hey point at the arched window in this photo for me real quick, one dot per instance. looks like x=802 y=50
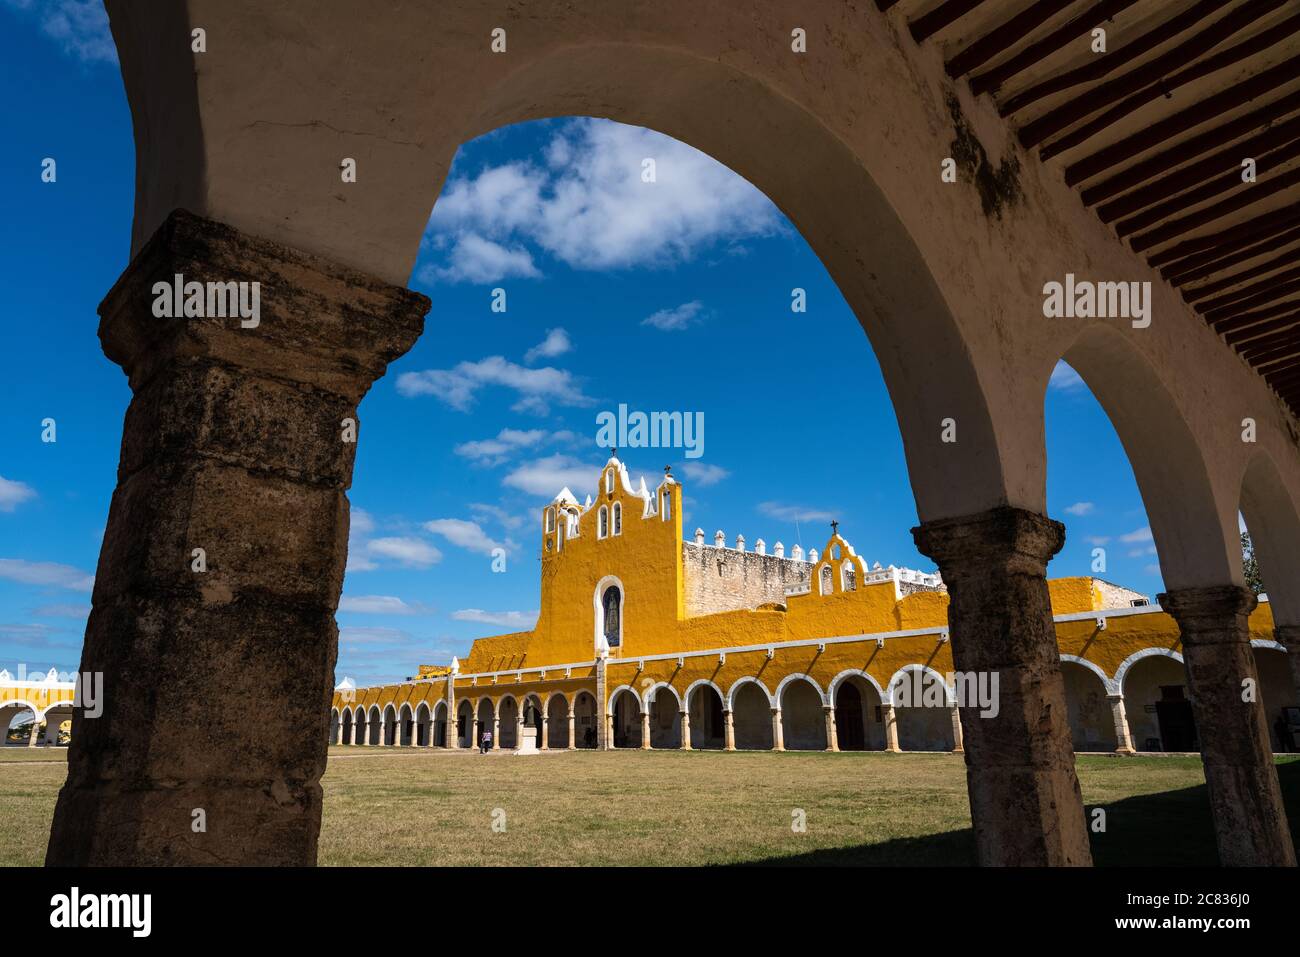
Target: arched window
x=602 y=522
x=609 y=482
x=827 y=586
x=611 y=603
x=667 y=511
x=850 y=577
x=618 y=518
x=550 y=520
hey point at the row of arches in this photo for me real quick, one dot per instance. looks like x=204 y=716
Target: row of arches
x=1143 y=707
x=53 y=716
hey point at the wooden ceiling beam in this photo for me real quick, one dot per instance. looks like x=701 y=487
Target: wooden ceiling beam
x=1101 y=66
x=1164 y=130
x=1284 y=136
x=1289 y=321
x=1205 y=265
x=991 y=80
x=1246 y=195
x=1256 y=295
x=1002 y=37
x=1241 y=234
x=949 y=12
x=1263 y=269
x=1153 y=79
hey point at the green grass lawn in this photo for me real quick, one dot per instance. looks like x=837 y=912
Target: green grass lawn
x=679 y=808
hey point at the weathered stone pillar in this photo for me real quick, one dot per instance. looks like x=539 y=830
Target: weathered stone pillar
x=1288 y=636
x=519 y=728
x=473 y=733
x=891 y=728
x=728 y=730
x=604 y=727
x=1250 y=823
x=686 y=730
x=1123 y=738
x=573 y=740
x=1026 y=806
x=239 y=441
x=958 y=740
x=832 y=741
x=338 y=732
x=645 y=728
x=496 y=732
x=383 y=731
x=778 y=732
x=33 y=734
x=609 y=732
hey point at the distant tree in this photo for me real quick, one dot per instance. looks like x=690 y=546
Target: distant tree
x=1249 y=566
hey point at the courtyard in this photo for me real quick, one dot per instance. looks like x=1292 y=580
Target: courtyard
x=673 y=808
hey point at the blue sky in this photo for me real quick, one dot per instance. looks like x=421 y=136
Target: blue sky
x=673 y=296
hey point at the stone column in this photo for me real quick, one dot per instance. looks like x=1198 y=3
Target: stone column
x=1026 y=806
x=496 y=732
x=338 y=732
x=832 y=741
x=473 y=733
x=239 y=440
x=728 y=730
x=891 y=728
x=33 y=734
x=1288 y=636
x=1250 y=823
x=546 y=733
x=573 y=734
x=604 y=728
x=609 y=732
x=958 y=740
x=645 y=728
x=686 y=730
x=383 y=731
x=1123 y=738
x=778 y=732
x=519 y=728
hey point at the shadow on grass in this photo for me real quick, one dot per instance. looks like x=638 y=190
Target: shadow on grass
x=1168 y=829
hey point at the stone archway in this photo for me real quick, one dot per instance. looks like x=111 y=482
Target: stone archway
x=859 y=721
x=1156 y=701
x=585 y=718
x=625 y=712
x=1092 y=725
x=665 y=709
x=557 y=723
x=707 y=720
x=803 y=717
x=751 y=715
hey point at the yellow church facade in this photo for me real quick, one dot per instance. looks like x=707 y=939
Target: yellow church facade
x=645 y=639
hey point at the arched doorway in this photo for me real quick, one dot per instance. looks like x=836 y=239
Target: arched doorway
x=557 y=722
x=347 y=726
x=508 y=715
x=1156 y=702
x=803 y=719
x=751 y=716
x=1278 y=691
x=586 y=733
x=16 y=722
x=1092 y=725
x=708 y=727
x=423 y=726
x=486 y=715
x=532 y=718
x=404 y=735
x=665 y=718
x=922 y=710
x=388 y=727
x=626 y=710
x=465 y=725
x=858 y=719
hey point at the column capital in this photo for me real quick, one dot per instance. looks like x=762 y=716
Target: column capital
x=1003 y=535
x=1213 y=614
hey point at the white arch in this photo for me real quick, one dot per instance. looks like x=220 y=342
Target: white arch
x=405 y=709
x=949 y=697
x=1268 y=643
x=503 y=699
x=358 y=713
x=730 y=697
x=375 y=713
x=423 y=705
x=568 y=705
x=1111 y=686
x=334 y=712
x=649 y=696
x=598 y=610
x=15 y=702
x=390 y=707
x=609 y=705
x=799 y=676
x=703 y=682
x=849 y=673
x=441 y=704
x=1137 y=656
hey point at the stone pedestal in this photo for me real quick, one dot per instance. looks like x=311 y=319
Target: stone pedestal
x=527 y=741
x=1025 y=801
x=1250 y=823
x=235 y=442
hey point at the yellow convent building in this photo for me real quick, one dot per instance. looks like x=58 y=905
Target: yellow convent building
x=647 y=640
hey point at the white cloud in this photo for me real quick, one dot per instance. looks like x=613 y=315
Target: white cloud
x=587 y=205
x=794 y=513
x=62 y=611
x=457 y=386
x=1065 y=379
x=13 y=494
x=675 y=319
x=520 y=620
x=1080 y=508
x=48 y=574
x=497 y=450
x=546 y=476
x=556 y=343
x=380 y=605
x=1142 y=534
x=478 y=260
x=1097 y=539
x=80 y=27
x=507 y=519
x=466 y=534
x=704 y=475
x=408 y=551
